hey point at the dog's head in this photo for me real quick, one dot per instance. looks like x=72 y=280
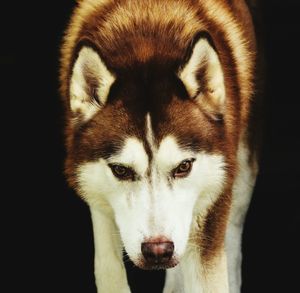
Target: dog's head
x=147 y=143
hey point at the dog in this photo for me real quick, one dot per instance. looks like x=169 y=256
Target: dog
x=159 y=99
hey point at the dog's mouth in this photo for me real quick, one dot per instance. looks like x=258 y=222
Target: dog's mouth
x=154 y=264
x=146 y=265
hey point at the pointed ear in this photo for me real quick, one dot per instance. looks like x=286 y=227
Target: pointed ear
x=203 y=78
x=90 y=84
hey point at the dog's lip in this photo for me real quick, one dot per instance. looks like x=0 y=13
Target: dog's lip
x=142 y=264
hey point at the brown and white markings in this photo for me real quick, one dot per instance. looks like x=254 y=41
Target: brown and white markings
x=157 y=100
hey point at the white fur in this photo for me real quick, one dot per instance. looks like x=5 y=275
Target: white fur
x=191 y=276
x=110 y=274
x=132 y=155
x=80 y=101
x=145 y=209
x=204 y=55
x=242 y=191
x=149 y=133
x=174 y=280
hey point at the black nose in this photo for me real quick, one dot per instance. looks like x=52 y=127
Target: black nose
x=158 y=252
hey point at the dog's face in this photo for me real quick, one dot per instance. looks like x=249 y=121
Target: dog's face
x=148 y=143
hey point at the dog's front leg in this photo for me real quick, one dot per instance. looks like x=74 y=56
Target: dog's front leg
x=110 y=273
x=194 y=275
x=242 y=191
x=201 y=276
x=174 y=280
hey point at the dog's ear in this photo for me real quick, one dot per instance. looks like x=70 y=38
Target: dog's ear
x=90 y=84
x=203 y=78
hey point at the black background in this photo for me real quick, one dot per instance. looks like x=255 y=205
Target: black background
x=47 y=233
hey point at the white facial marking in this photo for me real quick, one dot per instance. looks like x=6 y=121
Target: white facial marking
x=149 y=133
x=161 y=206
x=132 y=155
x=80 y=101
x=169 y=155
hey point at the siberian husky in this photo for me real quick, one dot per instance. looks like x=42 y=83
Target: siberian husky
x=158 y=105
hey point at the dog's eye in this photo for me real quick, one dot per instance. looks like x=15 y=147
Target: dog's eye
x=183 y=169
x=122 y=172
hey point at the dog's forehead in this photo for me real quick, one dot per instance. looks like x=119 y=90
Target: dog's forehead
x=161 y=144
x=188 y=126
x=161 y=139
x=140 y=153
x=178 y=125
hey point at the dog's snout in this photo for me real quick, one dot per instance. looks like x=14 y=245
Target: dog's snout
x=157 y=253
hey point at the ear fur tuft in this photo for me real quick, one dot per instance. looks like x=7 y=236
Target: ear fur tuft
x=90 y=83
x=203 y=78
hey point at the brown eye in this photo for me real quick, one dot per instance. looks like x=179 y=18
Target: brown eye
x=183 y=169
x=122 y=172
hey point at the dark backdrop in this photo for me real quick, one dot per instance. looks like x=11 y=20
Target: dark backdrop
x=47 y=233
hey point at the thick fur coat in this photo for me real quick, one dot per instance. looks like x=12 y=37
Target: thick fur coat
x=150 y=89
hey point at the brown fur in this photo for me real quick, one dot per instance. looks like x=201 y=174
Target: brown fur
x=142 y=42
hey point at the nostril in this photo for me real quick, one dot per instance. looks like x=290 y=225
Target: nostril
x=169 y=249
x=157 y=252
